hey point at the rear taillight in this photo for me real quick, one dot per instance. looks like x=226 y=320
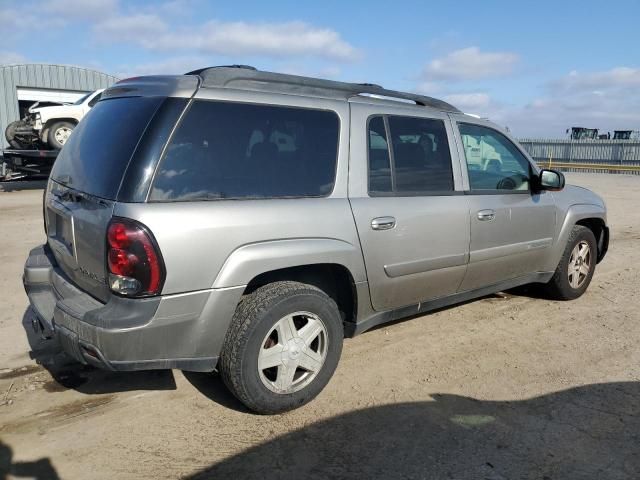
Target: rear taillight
x=133 y=259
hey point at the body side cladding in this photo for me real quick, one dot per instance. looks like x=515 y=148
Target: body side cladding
x=249 y=261
x=373 y=319
x=576 y=213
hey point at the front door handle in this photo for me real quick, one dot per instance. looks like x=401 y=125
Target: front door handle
x=486 y=215
x=383 y=223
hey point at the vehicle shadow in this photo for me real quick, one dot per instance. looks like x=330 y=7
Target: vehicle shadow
x=38 y=470
x=18 y=185
x=67 y=373
x=591 y=431
x=211 y=386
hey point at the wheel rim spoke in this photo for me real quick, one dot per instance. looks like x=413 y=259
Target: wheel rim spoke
x=284 y=381
x=584 y=269
x=311 y=361
x=293 y=357
x=270 y=357
x=310 y=331
x=286 y=329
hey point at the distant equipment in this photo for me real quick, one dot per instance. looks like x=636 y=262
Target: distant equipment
x=581 y=133
x=626 y=135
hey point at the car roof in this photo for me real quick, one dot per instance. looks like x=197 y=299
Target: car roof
x=249 y=78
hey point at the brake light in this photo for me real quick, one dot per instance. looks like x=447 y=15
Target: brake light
x=133 y=259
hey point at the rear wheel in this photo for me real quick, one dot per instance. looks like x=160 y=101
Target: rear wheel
x=59 y=133
x=575 y=270
x=282 y=347
x=10 y=134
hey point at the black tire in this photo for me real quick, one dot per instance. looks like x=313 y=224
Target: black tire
x=10 y=134
x=559 y=286
x=254 y=318
x=53 y=129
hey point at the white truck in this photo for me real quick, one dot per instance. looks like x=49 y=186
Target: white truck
x=49 y=127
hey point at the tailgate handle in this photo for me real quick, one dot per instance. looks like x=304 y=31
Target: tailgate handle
x=383 y=223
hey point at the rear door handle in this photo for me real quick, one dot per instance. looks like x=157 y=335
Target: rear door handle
x=383 y=223
x=486 y=215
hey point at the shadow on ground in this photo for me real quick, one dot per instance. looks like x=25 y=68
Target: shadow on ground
x=585 y=432
x=67 y=373
x=38 y=470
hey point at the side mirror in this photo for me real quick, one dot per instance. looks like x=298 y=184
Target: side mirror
x=550 y=180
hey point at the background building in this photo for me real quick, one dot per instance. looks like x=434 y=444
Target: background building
x=23 y=85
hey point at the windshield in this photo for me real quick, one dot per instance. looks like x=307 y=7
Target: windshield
x=95 y=157
x=82 y=99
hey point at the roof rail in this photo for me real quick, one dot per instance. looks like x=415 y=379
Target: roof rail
x=243 y=76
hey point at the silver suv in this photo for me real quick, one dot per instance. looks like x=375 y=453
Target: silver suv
x=248 y=221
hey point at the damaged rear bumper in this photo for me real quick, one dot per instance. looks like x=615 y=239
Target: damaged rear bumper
x=182 y=331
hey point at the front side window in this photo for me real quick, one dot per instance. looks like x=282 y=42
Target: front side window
x=235 y=150
x=408 y=156
x=493 y=161
x=95 y=100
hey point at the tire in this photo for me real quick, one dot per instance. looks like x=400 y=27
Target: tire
x=10 y=134
x=59 y=133
x=569 y=285
x=261 y=320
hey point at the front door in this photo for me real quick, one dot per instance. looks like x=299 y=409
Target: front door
x=512 y=227
x=411 y=214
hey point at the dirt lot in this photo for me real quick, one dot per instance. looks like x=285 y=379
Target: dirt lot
x=504 y=387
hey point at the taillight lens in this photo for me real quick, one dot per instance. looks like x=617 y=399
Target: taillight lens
x=133 y=259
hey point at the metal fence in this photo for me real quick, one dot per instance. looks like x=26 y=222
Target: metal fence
x=611 y=156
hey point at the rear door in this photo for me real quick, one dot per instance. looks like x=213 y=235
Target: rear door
x=411 y=214
x=512 y=227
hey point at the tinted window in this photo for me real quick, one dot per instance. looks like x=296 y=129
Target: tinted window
x=379 y=163
x=97 y=154
x=234 y=150
x=421 y=161
x=493 y=161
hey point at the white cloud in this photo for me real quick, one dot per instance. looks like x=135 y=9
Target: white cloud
x=170 y=66
x=470 y=64
x=81 y=9
x=469 y=102
x=607 y=100
x=7 y=58
x=142 y=28
x=286 y=39
x=598 y=82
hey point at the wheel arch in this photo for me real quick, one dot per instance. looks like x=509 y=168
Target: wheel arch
x=591 y=216
x=335 y=266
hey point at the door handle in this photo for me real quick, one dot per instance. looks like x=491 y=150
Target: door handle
x=486 y=215
x=383 y=223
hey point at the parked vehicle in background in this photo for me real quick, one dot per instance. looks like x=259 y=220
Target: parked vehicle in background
x=49 y=126
x=626 y=135
x=581 y=133
x=248 y=221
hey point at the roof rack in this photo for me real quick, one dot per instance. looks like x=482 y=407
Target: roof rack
x=245 y=76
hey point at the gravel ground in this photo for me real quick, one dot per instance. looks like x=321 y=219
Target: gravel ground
x=509 y=386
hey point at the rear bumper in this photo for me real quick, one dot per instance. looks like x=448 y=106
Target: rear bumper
x=182 y=331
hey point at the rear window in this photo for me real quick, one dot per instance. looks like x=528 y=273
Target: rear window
x=100 y=147
x=234 y=150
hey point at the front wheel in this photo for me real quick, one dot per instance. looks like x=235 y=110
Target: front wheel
x=576 y=267
x=59 y=133
x=282 y=347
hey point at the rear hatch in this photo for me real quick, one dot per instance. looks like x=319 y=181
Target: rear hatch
x=85 y=182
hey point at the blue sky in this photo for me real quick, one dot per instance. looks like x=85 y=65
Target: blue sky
x=536 y=67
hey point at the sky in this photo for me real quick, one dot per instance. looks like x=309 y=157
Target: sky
x=537 y=68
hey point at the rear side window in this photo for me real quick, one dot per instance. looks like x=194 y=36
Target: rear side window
x=96 y=155
x=234 y=150
x=408 y=156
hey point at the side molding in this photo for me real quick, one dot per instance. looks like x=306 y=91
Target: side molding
x=251 y=260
